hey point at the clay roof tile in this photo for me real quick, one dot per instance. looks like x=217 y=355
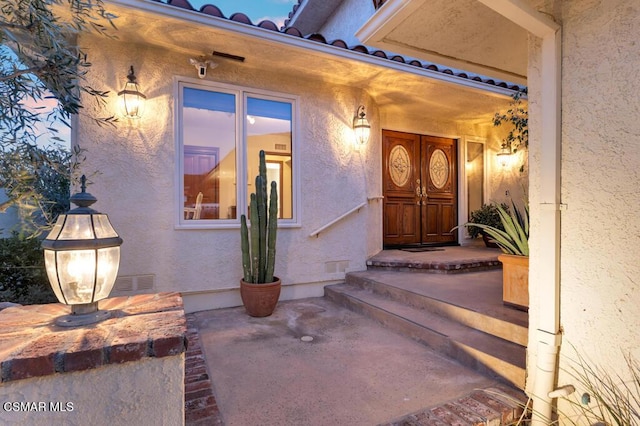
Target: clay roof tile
x=212 y=10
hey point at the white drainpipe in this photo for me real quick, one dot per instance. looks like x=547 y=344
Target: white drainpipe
x=548 y=288
x=547 y=333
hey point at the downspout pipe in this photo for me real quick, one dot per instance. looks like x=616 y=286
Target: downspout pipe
x=548 y=330
x=546 y=262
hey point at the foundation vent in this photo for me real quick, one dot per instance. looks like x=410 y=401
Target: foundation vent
x=132 y=284
x=336 y=267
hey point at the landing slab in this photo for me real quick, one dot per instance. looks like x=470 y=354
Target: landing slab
x=450 y=259
x=354 y=371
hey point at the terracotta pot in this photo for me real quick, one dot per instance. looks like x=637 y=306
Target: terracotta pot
x=260 y=300
x=488 y=242
x=515 y=281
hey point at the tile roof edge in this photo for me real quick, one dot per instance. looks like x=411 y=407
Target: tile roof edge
x=214 y=11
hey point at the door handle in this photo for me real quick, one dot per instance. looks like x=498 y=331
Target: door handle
x=421 y=193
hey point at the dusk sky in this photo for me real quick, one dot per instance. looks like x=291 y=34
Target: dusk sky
x=257 y=10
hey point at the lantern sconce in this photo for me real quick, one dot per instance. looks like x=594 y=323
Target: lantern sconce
x=131 y=99
x=504 y=155
x=361 y=127
x=82 y=256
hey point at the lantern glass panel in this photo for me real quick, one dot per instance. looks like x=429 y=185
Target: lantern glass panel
x=108 y=261
x=50 y=264
x=77 y=275
x=77 y=227
x=103 y=228
x=362 y=130
x=131 y=102
x=55 y=231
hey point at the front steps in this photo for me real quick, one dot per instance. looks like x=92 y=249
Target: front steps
x=459 y=315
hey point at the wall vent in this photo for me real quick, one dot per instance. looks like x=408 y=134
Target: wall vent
x=281 y=147
x=336 y=266
x=133 y=284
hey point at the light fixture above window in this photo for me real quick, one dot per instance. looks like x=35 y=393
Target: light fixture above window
x=131 y=99
x=361 y=126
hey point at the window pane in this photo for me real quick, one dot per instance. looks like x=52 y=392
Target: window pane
x=269 y=128
x=475 y=175
x=209 y=138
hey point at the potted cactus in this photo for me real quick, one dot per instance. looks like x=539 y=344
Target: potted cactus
x=259 y=288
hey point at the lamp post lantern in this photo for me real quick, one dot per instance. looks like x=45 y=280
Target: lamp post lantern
x=82 y=255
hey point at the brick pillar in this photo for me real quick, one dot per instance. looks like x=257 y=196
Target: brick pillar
x=128 y=369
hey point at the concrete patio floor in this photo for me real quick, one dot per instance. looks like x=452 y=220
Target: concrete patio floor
x=353 y=372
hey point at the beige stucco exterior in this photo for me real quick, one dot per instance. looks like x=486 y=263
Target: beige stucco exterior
x=136 y=162
x=599 y=179
x=600 y=163
x=126 y=394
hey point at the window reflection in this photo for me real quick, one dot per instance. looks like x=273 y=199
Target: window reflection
x=269 y=128
x=209 y=162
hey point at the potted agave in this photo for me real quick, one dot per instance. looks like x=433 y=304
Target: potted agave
x=259 y=288
x=513 y=240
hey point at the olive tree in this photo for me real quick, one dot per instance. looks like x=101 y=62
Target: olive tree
x=40 y=62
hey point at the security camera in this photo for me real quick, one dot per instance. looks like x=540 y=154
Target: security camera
x=202 y=65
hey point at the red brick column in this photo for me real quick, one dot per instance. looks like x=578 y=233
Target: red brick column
x=31 y=345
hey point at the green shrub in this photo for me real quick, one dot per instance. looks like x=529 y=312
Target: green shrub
x=23 y=278
x=486 y=215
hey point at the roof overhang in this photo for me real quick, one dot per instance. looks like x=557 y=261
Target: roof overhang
x=395 y=86
x=488 y=37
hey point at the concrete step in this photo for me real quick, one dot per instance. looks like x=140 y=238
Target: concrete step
x=444 y=260
x=472 y=299
x=476 y=349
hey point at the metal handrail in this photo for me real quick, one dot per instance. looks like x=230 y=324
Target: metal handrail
x=357 y=208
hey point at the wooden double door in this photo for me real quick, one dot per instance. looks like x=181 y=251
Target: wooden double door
x=419 y=188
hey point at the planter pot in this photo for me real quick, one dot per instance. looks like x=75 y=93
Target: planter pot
x=260 y=300
x=515 y=281
x=488 y=242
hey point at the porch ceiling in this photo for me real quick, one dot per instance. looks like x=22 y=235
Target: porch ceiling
x=463 y=34
x=396 y=88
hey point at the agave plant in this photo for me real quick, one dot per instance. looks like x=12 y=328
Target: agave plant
x=514 y=239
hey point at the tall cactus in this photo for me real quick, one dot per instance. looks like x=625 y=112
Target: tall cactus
x=258 y=243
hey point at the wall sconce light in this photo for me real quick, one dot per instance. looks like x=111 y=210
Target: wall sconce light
x=361 y=126
x=82 y=255
x=131 y=99
x=504 y=155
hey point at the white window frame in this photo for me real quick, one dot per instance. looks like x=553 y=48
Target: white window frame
x=241 y=94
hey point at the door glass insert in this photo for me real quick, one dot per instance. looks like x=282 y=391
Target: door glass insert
x=439 y=169
x=399 y=165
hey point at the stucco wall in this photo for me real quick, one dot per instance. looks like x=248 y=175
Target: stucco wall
x=600 y=170
x=141 y=392
x=600 y=241
x=346 y=20
x=136 y=162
